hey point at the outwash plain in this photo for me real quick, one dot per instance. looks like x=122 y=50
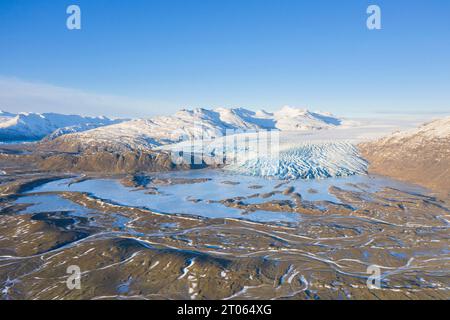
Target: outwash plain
x=141 y=227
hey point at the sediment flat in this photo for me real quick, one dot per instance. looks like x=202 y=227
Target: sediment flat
x=321 y=250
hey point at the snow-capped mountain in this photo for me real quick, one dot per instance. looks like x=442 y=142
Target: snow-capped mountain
x=419 y=155
x=438 y=129
x=195 y=124
x=292 y=119
x=35 y=126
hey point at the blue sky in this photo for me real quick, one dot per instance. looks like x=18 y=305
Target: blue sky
x=146 y=57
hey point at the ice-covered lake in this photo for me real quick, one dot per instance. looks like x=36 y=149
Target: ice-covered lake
x=202 y=198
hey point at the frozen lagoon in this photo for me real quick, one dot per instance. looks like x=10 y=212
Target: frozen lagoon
x=203 y=198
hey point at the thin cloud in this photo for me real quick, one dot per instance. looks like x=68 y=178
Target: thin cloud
x=17 y=95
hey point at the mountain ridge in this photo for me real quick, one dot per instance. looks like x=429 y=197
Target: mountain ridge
x=419 y=155
x=29 y=126
x=144 y=134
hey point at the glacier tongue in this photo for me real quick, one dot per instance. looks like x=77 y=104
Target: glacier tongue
x=308 y=160
x=289 y=156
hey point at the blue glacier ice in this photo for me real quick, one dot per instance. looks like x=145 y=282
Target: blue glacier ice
x=306 y=161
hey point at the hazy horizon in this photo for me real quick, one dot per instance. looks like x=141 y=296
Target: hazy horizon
x=116 y=107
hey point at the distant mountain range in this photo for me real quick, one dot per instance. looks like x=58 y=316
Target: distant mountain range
x=185 y=124
x=144 y=134
x=36 y=126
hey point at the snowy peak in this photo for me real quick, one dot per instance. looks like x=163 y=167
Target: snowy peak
x=293 y=119
x=35 y=126
x=438 y=129
x=288 y=118
x=243 y=119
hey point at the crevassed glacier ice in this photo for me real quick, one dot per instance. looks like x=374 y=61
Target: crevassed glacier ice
x=287 y=157
x=305 y=161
